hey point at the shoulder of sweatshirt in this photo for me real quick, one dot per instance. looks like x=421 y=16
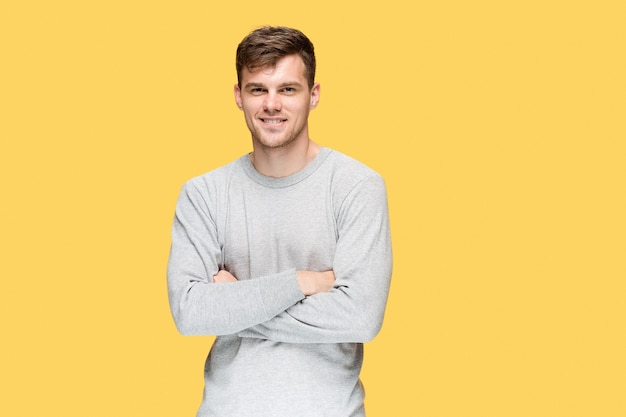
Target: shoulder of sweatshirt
x=211 y=182
x=349 y=174
x=207 y=191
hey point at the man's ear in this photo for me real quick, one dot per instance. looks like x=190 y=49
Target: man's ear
x=237 y=92
x=315 y=95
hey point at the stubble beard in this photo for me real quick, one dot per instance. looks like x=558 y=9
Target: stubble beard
x=281 y=144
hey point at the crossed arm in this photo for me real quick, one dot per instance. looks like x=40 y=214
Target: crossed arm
x=310 y=282
x=197 y=304
x=345 y=304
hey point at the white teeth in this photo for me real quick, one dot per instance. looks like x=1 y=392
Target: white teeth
x=272 y=121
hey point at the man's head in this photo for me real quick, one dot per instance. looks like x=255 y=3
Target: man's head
x=265 y=46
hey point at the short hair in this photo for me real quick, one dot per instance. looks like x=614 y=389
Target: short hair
x=266 y=45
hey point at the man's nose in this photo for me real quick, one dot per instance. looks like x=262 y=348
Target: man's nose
x=272 y=102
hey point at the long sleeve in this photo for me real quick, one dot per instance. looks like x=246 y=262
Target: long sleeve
x=353 y=311
x=201 y=307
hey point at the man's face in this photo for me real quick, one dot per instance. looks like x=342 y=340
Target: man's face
x=276 y=102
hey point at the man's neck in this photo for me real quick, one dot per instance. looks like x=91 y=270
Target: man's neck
x=284 y=161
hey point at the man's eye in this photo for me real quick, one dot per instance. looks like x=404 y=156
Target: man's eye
x=289 y=89
x=257 y=90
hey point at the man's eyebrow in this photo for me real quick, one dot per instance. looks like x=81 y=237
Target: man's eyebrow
x=281 y=85
x=290 y=84
x=254 y=85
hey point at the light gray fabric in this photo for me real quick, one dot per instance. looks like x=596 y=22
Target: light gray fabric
x=279 y=353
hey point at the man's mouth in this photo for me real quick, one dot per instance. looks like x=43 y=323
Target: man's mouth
x=273 y=121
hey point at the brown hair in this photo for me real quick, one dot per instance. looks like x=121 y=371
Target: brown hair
x=267 y=45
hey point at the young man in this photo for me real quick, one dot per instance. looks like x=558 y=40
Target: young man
x=284 y=254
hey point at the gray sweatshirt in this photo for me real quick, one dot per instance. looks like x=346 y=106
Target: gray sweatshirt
x=277 y=352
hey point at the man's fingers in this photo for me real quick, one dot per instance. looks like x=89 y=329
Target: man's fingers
x=224 y=276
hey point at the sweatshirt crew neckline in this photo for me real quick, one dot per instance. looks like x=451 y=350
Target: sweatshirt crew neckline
x=289 y=180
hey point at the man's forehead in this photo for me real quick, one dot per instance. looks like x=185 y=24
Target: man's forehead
x=289 y=69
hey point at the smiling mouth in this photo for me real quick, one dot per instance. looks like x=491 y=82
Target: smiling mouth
x=273 y=121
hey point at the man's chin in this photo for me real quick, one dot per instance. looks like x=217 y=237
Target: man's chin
x=274 y=143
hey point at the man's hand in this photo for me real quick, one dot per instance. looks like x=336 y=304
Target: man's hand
x=310 y=282
x=315 y=282
x=223 y=276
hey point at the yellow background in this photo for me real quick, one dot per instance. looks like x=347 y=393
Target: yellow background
x=498 y=125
